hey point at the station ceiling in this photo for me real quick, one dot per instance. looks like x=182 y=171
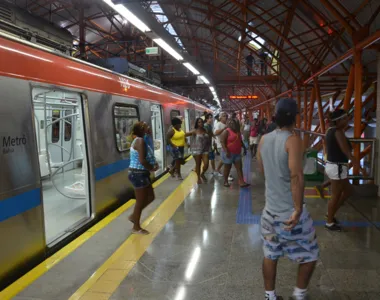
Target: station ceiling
x=299 y=37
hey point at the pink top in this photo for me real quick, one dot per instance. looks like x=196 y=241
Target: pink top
x=233 y=142
x=254 y=131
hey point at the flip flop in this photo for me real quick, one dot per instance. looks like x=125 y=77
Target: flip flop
x=141 y=231
x=245 y=185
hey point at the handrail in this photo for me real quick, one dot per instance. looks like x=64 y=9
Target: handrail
x=309 y=132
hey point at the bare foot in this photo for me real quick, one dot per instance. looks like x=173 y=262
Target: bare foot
x=204 y=177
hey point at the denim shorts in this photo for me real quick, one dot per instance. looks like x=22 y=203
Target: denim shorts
x=177 y=153
x=230 y=160
x=299 y=245
x=139 y=179
x=211 y=155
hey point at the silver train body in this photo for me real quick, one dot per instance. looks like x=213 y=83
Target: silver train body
x=63 y=164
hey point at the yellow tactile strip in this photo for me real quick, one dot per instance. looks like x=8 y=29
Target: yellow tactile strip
x=104 y=281
x=23 y=282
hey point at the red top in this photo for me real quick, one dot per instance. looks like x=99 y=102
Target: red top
x=254 y=131
x=233 y=142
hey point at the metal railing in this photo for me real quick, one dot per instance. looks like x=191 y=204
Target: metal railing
x=367 y=159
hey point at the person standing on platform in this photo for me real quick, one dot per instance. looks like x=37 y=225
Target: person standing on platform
x=339 y=152
x=220 y=127
x=254 y=137
x=200 y=147
x=250 y=60
x=176 y=138
x=209 y=129
x=286 y=226
x=232 y=143
x=246 y=131
x=263 y=62
x=142 y=163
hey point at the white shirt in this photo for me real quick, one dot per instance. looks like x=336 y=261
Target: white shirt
x=217 y=127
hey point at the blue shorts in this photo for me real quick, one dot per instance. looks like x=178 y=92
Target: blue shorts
x=139 y=179
x=211 y=155
x=230 y=160
x=177 y=153
x=299 y=245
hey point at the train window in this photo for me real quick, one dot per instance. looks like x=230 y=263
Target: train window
x=125 y=117
x=56 y=126
x=68 y=125
x=174 y=113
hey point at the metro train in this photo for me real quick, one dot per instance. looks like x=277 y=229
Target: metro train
x=64 y=128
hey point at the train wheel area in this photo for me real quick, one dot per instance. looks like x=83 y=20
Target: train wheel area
x=204 y=243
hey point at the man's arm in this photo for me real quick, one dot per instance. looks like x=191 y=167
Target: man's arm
x=223 y=141
x=295 y=152
x=344 y=146
x=259 y=159
x=219 y=130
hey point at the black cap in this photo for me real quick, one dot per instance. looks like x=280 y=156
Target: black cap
x=287 y=106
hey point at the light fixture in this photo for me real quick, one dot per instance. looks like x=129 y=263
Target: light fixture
x=212 y=89
x=204 y=79
x=191 y=68
x=128 y=15
x=168 y=48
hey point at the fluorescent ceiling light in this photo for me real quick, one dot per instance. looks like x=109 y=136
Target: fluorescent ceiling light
x=128 y=15
x=168 y=49
x=204 y=79
x=212 y=89
x=191 y=68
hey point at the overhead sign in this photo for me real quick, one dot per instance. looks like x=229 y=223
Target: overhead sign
x=243 y=97
x=152 y=51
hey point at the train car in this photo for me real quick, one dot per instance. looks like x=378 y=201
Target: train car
x=65 y=127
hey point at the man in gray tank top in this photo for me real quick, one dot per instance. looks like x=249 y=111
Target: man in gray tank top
x=286 y=226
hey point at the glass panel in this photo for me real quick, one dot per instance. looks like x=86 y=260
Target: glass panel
x=174 y=113
x=125 y=117
x=68 y=125
x=55 y=127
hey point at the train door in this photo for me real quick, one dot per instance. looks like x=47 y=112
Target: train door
x=59 y=124
x=158 y=137
x=187 y=128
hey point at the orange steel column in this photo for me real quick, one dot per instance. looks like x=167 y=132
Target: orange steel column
x=299 y=109
x=320 y=107
x=311 y=109
x=358 y=104
x=350 y=88
x=305 y=121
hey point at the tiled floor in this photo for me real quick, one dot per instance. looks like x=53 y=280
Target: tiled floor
x=211 y=249
x=202 y=253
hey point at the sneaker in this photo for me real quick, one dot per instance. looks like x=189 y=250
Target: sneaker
x=304 y=298
x=220 y=174
x=335 y=220
x=334 y=227
x=230 y=178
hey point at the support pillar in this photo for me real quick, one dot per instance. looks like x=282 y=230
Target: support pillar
x=377 y=155
x=358 y=104
x=82 y=36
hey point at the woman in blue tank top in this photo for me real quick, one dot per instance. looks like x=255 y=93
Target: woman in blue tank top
x=141 y=164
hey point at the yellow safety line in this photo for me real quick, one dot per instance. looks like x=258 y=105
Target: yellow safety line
x=104 y=281
x=23 y=282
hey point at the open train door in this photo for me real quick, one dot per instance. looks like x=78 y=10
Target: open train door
x=158 y=137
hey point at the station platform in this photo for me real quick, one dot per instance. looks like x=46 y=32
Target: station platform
x=205 y=245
